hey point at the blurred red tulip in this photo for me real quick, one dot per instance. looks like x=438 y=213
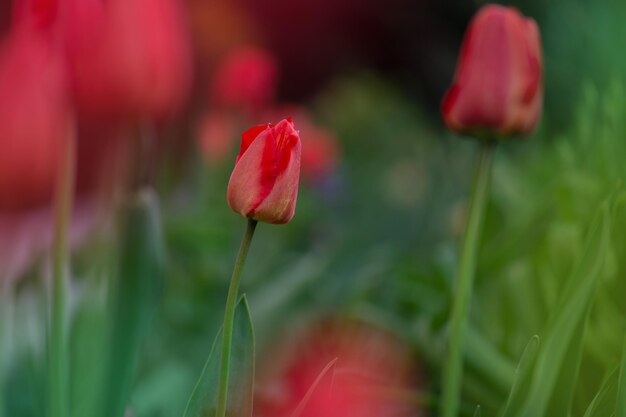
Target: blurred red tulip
x=35 y=116
x=264 y=182
x=216 y=136
x=129 y=59
x=245 y=80
x=372 y=375
x=320 y=153
x=498 y=88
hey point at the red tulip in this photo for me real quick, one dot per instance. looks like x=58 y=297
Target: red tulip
x=370 y=363
x=129 y=59
x=245 y=80
x=34 y=114
x=498 y=88
x=264 y=182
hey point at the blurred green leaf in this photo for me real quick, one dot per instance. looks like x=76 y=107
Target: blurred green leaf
x=87 y=342
x=203 y=398
x=620 y=409
x=558 y=360
x=604 y=402
x=134 y=296
x=520 y=380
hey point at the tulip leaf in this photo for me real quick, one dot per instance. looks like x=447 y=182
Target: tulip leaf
x=558 y=358
x=135 y=294
x=329 y=370
x=203 y=398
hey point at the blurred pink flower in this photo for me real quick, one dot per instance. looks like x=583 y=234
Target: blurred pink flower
x=36 y=116
x=217 y=135
x=129 y=59
x=320 y=152
x=245 y=80
x=371 y=367
x=35 y=113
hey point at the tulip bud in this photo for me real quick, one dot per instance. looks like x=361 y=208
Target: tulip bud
x=264 y=182
x=34 y=117
x=498 y=86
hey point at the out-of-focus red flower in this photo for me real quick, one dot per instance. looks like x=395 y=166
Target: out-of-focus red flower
x=498 y=86
x=320 y=153
x=129 y=59
x=264 y=182
x=35 y=116
x=216 y=136
x=245 y=80
x=372 y=374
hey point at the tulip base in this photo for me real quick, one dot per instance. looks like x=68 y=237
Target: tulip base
x=453 y=365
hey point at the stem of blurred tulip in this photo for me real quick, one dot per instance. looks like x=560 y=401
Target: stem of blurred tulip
x=229 y=318
x=6 y=321
x=453 y=366
x=57 y=388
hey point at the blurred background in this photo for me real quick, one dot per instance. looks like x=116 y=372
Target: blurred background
x=371 y=253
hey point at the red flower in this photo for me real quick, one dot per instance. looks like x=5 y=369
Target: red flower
x=245 y=80
x=498 y=86
x=264 y=182
x=129 y=58
x=35 y=115
x=370 y=364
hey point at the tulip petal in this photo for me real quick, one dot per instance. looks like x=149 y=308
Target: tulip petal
x=280 y=204
x=246 y=188
x=249 y=136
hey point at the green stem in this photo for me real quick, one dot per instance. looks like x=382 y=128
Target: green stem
x=229 y=318
x=57 y=388
x=453 y=366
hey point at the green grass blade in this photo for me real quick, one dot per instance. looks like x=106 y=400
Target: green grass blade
x=203 y=398
x=554 y=377
x=603 y=403
x=620 y=408
x=521 y=379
